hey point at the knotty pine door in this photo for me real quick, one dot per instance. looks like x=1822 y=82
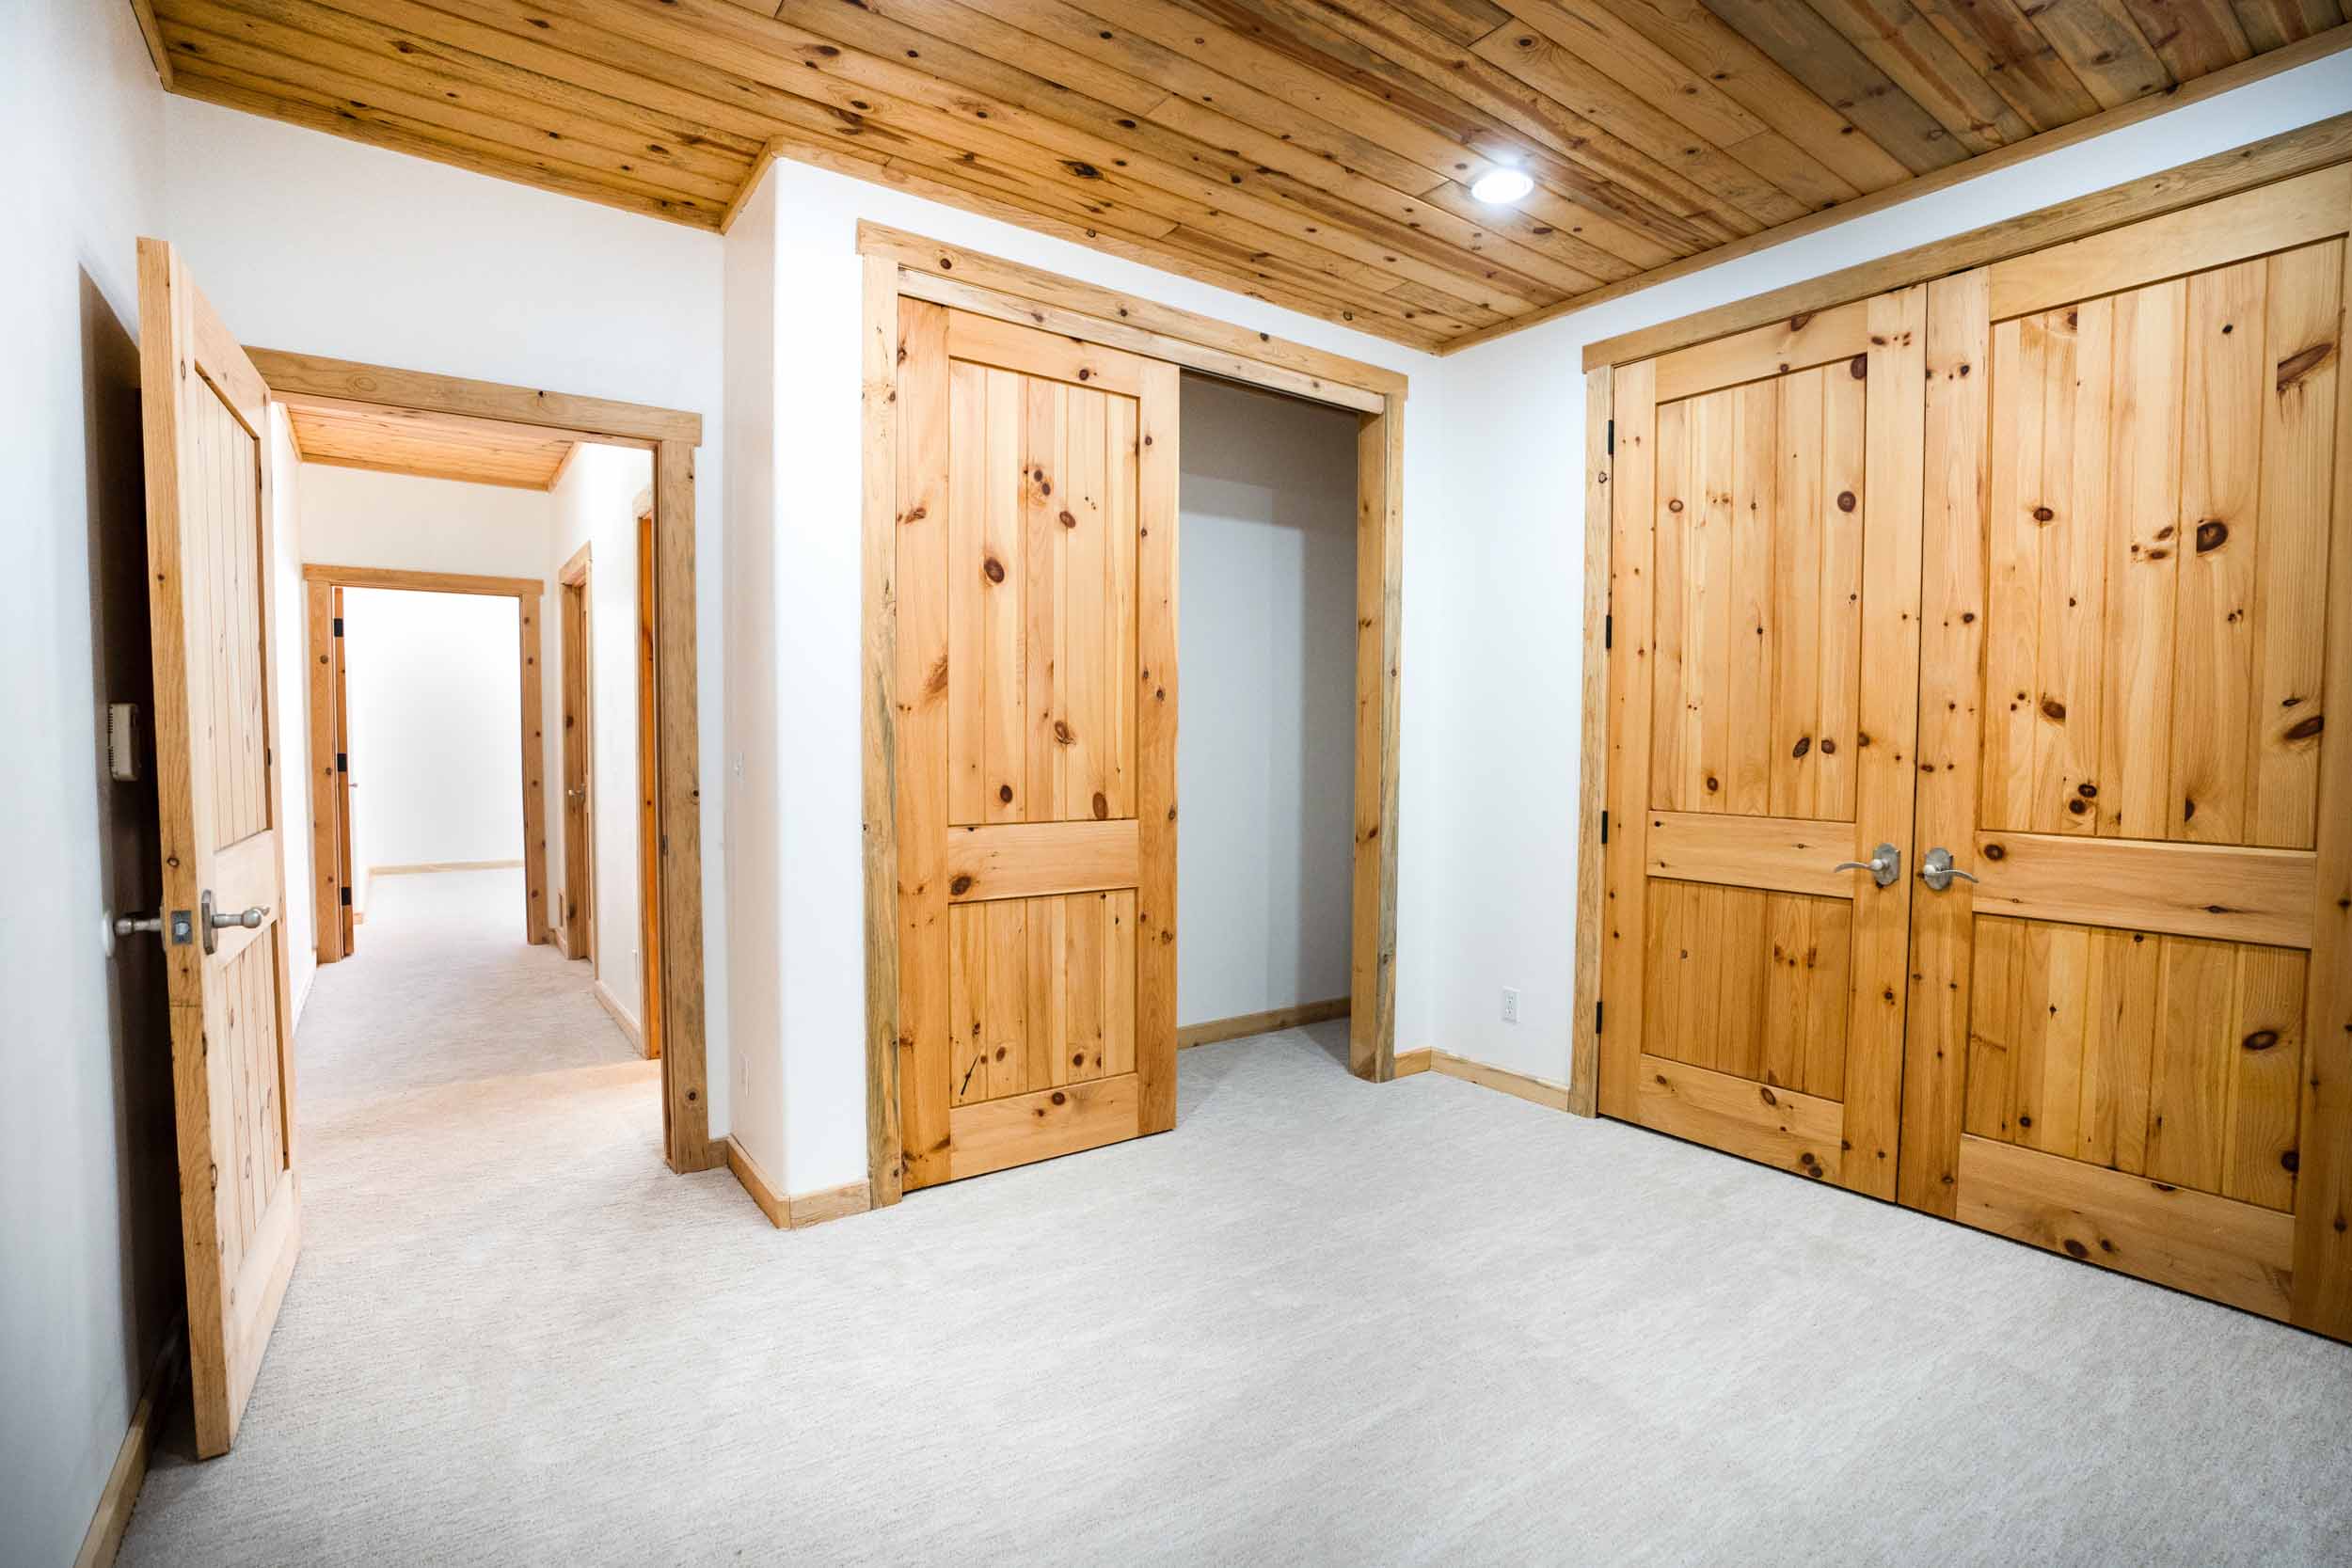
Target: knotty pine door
x=1035 y=744
x=2130 y=1037
x=1764 y=592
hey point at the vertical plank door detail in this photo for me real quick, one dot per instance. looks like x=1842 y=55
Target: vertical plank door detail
x=1034 y=735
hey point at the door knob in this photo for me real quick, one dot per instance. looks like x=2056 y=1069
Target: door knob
x=1885 y=866
x=222 y=920
x=1938 y=870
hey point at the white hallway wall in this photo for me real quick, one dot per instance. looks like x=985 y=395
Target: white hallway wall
x=793 y=643
x=1496 y=627
x=595 y=504
x=437 y=766
x=89 y=1215
x=1265 y=759
x=307 y=242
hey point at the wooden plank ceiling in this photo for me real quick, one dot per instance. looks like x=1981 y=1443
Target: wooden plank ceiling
x=1316 y=153
x=437 y=445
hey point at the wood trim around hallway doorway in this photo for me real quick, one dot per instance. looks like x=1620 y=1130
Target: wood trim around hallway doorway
x=897 y=263
x=673 y=880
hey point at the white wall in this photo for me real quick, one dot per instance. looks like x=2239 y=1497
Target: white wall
x=596 y=505
x=88 y=1216
x=1497 y=628
x=793 y=618
x=309 y=241
x=291 y=672
x=752 y=799
x=1265 y=758
x=358 y=517
x=437 y=766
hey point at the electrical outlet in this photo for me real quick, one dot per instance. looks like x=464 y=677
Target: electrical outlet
x=1510 y=1005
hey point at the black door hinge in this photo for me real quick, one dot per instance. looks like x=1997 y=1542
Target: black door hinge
x=1604 y=824
x=338 y=625
x=1611 y=442
x=343 y=762
x=1596 y=1017
x=1608 y=632
x=346 y=897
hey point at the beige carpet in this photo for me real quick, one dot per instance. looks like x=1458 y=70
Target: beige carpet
x=1321 y=1322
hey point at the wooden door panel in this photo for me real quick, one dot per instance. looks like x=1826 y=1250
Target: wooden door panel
x=1752 y=983
x=211 y=602
x=2132 y=1042
x=1765 y=579
x=1036 y=806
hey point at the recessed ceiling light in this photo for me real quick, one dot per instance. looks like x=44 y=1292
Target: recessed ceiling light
x=1499 y=185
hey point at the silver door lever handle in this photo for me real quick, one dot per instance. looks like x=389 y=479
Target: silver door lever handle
x=1938 y=870
x=1885 y=866
x=250 y=919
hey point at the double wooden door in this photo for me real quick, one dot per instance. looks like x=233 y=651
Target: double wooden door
x=2104 y=594
x=1034 y=744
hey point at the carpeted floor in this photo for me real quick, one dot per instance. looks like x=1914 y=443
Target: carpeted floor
x=1321 y=1322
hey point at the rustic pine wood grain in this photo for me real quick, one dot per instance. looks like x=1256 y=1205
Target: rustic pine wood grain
x=1593 y=748
x=1638 y=478
x=1319 y=156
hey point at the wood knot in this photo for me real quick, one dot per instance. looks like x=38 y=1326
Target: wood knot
x=1995 y=852
x=2307 y=729
x=1804 y=744
x=2261 y=1039
x=2088 y=790
x=961 y=886
x=1004 y=793
x=1102 y=807
x=1069 y=521
x=1845 y=501
x=2054 y=710
x=1675 y=505
x=993 y=569
x=1062 y=734
x=1060 y=1099
x=1860 y=366
x=2075 y=1248
x=2043 y=513
x=2212 y=534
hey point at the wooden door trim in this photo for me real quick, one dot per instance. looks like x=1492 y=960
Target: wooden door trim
x=672 y=889
x=325 y=683
x=2298 y=151
x=898 y=264
x=530 y=733
x=577 y=576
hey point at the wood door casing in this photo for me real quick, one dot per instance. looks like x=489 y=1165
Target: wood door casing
x=1035 y=743
x=211 y=592
x=575 y=648
x=2132 y=1042
x=1764 y=593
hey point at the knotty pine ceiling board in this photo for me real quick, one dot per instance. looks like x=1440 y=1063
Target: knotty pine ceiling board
x=435 y=446
x=1314 y=154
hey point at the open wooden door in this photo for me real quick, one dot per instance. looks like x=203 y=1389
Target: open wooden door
x=1765 y=589
x=2132 y=1006
x=208 y=487
x=1035 y=744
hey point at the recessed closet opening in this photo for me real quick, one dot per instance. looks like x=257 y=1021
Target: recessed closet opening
x=1265 y=758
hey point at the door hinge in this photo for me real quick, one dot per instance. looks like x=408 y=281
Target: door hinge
x=1597 y=1017
x=346 y=897
x=338 y=625
x=1611 y=441
x=1608 y=632
x=343 y=762
x=1604 y=824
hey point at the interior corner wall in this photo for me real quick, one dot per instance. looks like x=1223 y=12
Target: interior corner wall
x=595 y=504
x=1489 y=811
x=310 y=241
x=290 y=694
x=1265 y=752
x=757 y=876
x=90 y=1279
x=805 y=783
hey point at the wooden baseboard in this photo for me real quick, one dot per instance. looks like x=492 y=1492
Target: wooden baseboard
x=1540 y=1091
x=1292 y=1016
x=621 y=1015
x=121 y=1492
x=443 y=865
x=799 y=1211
